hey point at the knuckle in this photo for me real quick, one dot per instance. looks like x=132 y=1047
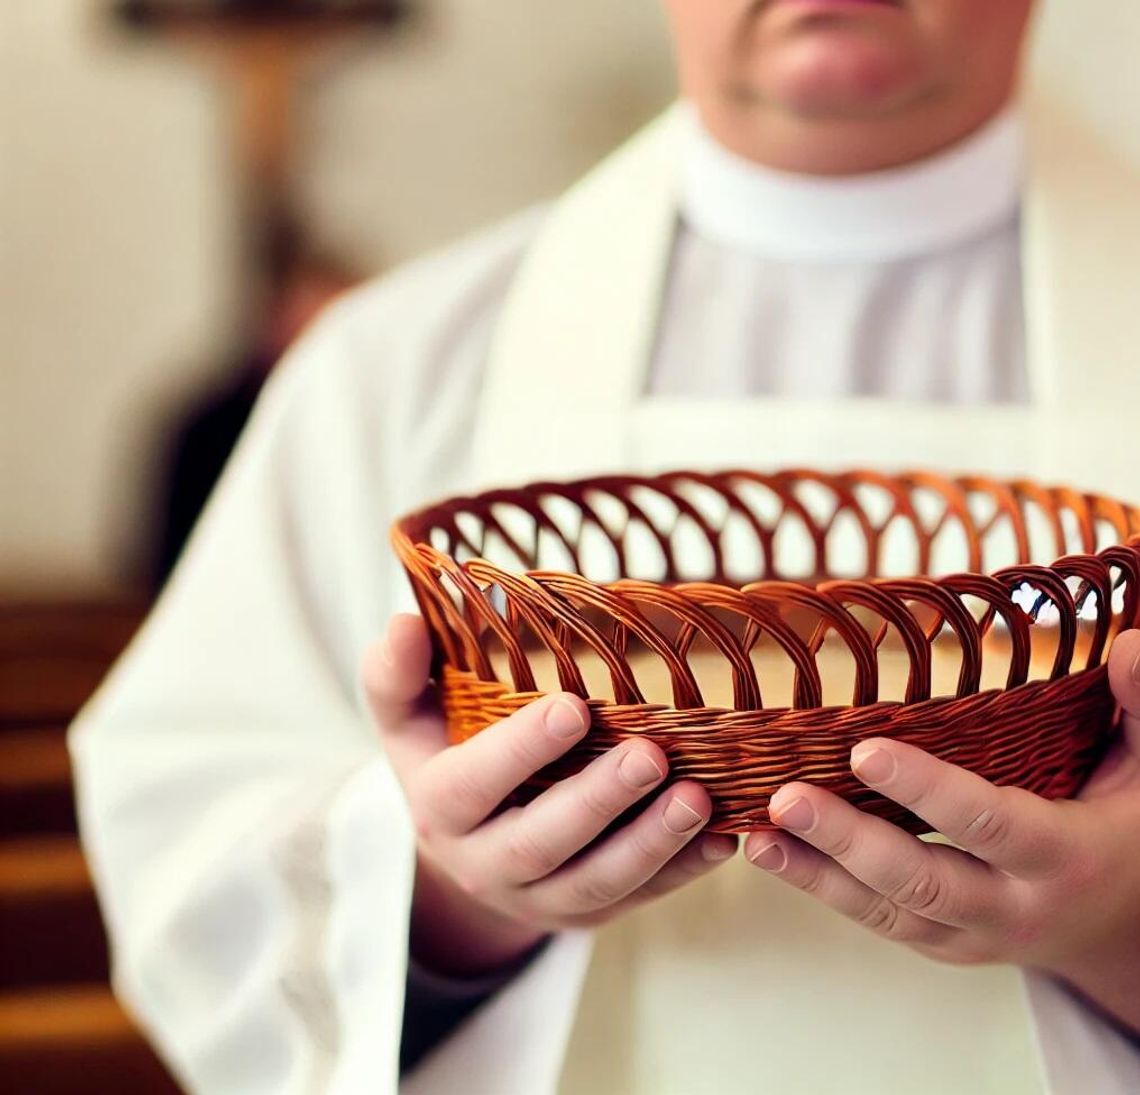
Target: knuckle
x=527 y=853
x=464 y=790
x=842 y=844
x=596 y=799
x=647 y=850
x=880 y=915
x=661 y=883
x=593 y=892
x=922 y=891
x=688 y=863
x=524 y=747
x=812 y=882
x=920 y=795
x=988 y=828
x=670 y=872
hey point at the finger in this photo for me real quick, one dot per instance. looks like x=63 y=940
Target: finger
x=1124 y=677
x=465 y=784
x=697 y=858
x=693 y=861
x=395 y=670
x=808 y=869
x=628 y=859
x=528 y=844
x=1012 y=830
x=937 y=883
x=394 y=674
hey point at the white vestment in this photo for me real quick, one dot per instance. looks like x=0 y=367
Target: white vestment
x=250 y=844
x=903 y=283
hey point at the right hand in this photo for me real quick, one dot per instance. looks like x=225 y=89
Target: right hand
x=490 y=885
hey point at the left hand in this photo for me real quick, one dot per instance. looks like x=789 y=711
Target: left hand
x=1052 y=885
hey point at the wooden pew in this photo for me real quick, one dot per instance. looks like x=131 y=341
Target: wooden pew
x=53 y=655
x=61 y=1030
x=35 y=781
x=71 y=1039
x=50 y=928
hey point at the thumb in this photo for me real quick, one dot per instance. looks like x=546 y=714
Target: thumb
x=395 y=675
x=1124 y=677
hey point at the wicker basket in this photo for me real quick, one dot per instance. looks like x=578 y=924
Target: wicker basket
x=750 y=624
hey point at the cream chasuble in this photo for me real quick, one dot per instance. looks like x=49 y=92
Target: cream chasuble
x=739 y=983
x=249 y=840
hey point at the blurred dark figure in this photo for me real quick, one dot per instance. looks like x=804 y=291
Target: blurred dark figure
x=300 y=284
x=268 y=52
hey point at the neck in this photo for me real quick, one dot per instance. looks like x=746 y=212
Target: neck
x=768 y=135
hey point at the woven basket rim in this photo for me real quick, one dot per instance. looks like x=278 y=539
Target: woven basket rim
x=407 y=533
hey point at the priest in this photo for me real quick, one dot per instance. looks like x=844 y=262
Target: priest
x=855 y=241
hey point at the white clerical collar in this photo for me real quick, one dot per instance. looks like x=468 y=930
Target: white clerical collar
x=920 y=208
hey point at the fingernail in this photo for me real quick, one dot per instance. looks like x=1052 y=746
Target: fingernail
x=1136 y=670
x=770 y=856
x=385 y=651
x=799 y=815
x=563 y=719
x=872 y=764
x=638 y=769
x=715 y=849
x=680 y=818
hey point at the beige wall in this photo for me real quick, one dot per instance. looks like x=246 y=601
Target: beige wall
x=118 y=272
x=119 y=275
x=115 y=276
x=1087 y=51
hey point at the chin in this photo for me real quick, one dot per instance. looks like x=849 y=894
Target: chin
x=839 y=72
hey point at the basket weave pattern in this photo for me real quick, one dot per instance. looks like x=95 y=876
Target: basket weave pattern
x=633 y=579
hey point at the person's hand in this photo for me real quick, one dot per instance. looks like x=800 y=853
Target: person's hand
x=1051 y=885
x=491 y=883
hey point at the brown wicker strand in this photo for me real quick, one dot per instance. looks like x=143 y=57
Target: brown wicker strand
x=986 y=608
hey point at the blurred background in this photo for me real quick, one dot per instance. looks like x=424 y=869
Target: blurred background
x=125 y=197
x=182 y=184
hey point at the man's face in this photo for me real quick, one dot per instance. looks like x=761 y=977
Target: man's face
x=844 y=58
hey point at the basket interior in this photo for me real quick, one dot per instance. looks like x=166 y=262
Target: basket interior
x=719 y=589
